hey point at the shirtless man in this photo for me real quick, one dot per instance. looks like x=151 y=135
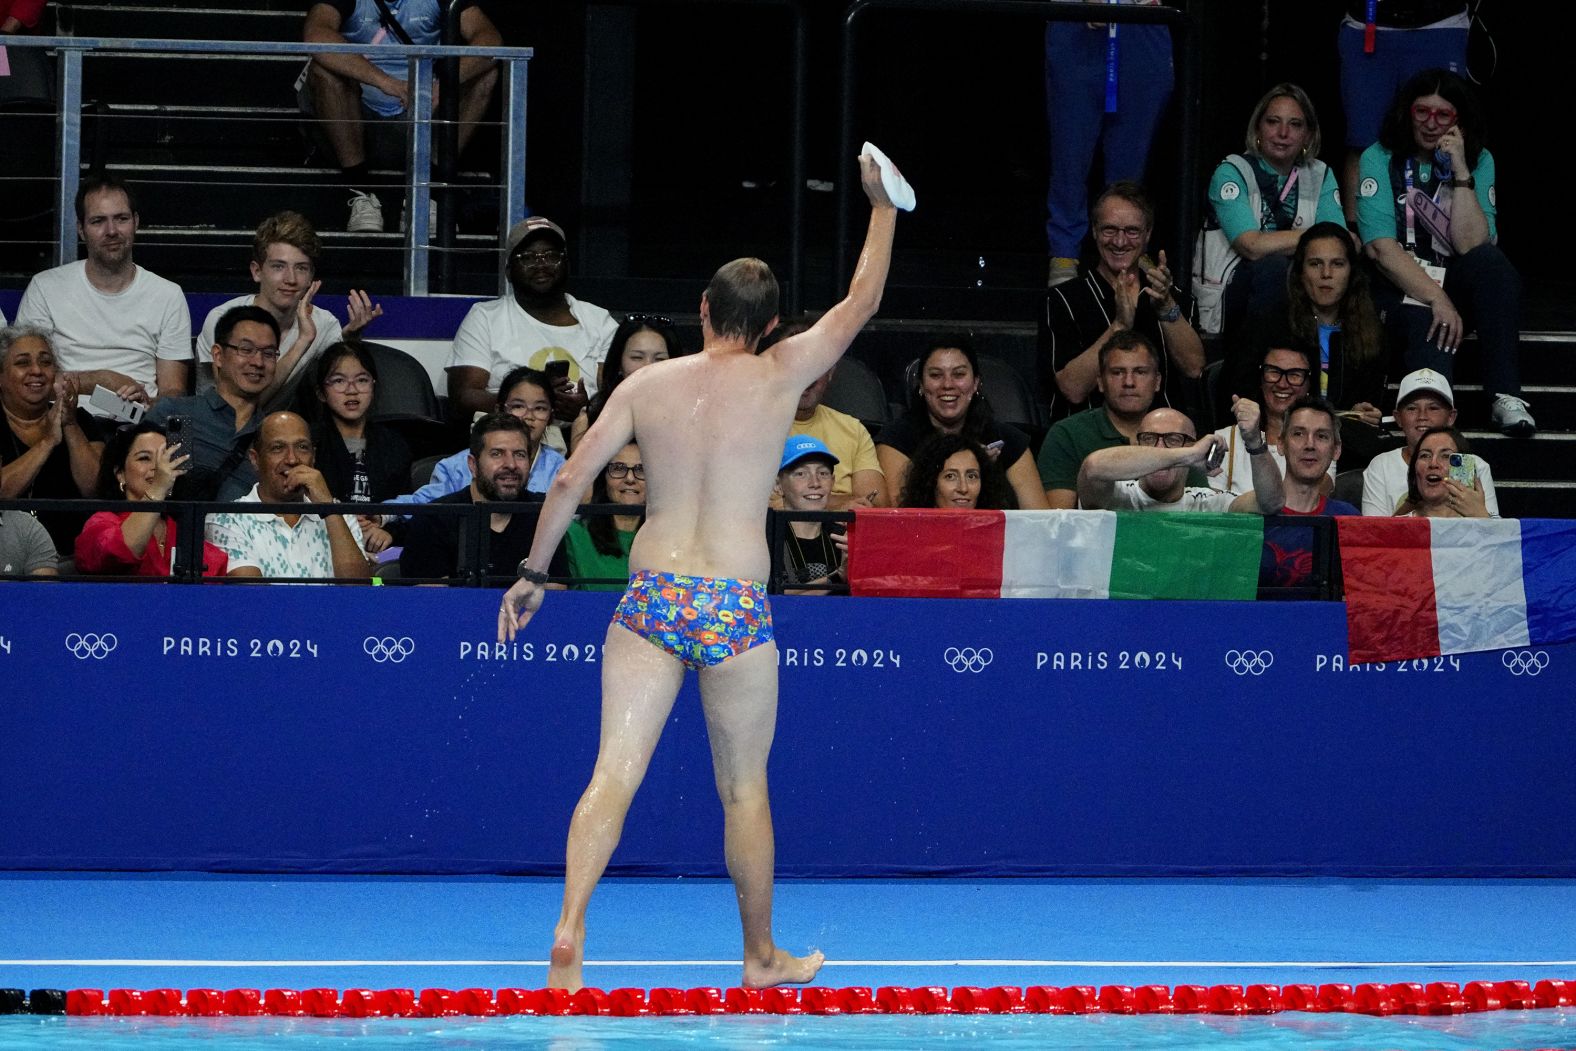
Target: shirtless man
x=711 y=428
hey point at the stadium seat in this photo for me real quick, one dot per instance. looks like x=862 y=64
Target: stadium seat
x=856 y=390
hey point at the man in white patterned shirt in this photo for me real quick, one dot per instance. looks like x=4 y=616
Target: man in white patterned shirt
x=290 y=546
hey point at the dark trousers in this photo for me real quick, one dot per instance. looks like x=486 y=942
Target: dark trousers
x=1486 y=289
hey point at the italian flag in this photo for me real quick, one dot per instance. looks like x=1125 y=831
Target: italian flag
x=1054 y=554
x=1422 y=587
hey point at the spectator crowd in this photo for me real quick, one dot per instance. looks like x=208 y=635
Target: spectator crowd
x=1313 y=285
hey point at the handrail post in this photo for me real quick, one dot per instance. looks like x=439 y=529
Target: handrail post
x=448 y=147
x=68 y=142
x=418 y=180
x=511 y=207
x=796 y=168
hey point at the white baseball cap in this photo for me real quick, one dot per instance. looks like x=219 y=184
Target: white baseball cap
x=1425 y=380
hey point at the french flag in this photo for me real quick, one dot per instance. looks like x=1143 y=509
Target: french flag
x=1422 y=587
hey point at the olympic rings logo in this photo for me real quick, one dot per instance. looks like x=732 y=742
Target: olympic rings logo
x=388 y=649
x=90 y=645
x=1249 y=662
x=1524 y=662
x=968 y=659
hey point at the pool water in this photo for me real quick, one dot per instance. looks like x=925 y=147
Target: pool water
x=1285 y=1032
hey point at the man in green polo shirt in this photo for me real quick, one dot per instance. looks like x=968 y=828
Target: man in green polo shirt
x=1129 y=380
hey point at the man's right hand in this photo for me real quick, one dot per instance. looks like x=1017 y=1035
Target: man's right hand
x=1129 y=289
x=870 y=179
x=519 y=605
x=1199 y=452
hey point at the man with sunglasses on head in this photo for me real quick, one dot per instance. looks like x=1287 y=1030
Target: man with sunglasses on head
x=1151 y=474
x=219 y=423
x=538 y=324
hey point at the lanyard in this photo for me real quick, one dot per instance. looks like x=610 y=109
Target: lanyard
x=1291 y=181
x=1110 y=64
x=1370 y=27
x=1411 y=225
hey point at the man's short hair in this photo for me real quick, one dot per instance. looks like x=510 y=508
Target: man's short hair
x=1128 y=339
x=1314 y=403
x=1131 y=192
x=290 y=228
x=523 y=374
x=240 y=315
x=492 y=423
x=98 y=182
x=742 y=299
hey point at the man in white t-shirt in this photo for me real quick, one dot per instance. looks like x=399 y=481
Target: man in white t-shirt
x=284 y=265
x=1425 y=400
x=1151 y=474
x=539 y=323
x=114 y=323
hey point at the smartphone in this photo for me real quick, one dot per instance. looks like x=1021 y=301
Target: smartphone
x=1463 y=469
x=556 y=370
x=1217 y=456
x=175 y=431
x=114 y=406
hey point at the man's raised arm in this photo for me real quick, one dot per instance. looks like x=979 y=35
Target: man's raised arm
x=811 y=353
x=1103 y=468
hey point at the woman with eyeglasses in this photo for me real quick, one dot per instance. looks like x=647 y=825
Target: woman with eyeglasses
x=598 y=545
x=641 y=340
x=1259 y=202
x=139 y=465
x=49 y=447
x=1286 y=372
x=361 y=460
x=1426 y=208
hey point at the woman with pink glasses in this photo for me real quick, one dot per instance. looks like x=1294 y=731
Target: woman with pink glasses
x=1426 y=207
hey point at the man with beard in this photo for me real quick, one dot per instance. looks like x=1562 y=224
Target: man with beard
x=444 y=546
x=220 y=422
x=285 y=248
x=1126 y=290
x=115 y=324
x=288 y=546
x=537 y=324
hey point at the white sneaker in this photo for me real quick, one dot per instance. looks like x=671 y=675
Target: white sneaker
x=1510 y=415
x=366 y=214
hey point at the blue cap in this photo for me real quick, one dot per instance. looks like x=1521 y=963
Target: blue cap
x=803 y=445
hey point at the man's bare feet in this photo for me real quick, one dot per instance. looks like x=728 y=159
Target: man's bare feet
x=782 y=969
x=563 y=971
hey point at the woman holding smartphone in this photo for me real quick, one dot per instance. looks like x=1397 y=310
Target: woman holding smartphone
x=1443 y=482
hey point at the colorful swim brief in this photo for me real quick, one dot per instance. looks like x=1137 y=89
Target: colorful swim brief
x=700 y=620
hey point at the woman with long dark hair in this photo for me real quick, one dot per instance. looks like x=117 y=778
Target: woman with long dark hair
x=1426 y=208
x=642 y=339
x=954 y=472
x=362 y=461
x=947 y=399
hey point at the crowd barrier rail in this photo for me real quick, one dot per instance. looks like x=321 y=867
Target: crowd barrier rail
x=190 y=516
x=418 y=249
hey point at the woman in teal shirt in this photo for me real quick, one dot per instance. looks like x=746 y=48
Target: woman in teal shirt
x=1260 y=202
x=1426 y=211
x=598 y=545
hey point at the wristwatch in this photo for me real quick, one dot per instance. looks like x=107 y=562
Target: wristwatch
x=525 y=572
x=1255 y=450
x=1174 y=314
x=1468 y=183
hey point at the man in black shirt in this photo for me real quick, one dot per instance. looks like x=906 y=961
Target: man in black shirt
x=444 y=545
x=1125 y=291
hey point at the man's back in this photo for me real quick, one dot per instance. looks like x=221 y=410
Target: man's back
x=710 y=428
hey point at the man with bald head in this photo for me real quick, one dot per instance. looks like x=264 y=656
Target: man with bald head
x=1151 y=474
x=288 y=545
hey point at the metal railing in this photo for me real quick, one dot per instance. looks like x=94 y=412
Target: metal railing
x=1188 y=94
x=419 y=183
x=1323 y=581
